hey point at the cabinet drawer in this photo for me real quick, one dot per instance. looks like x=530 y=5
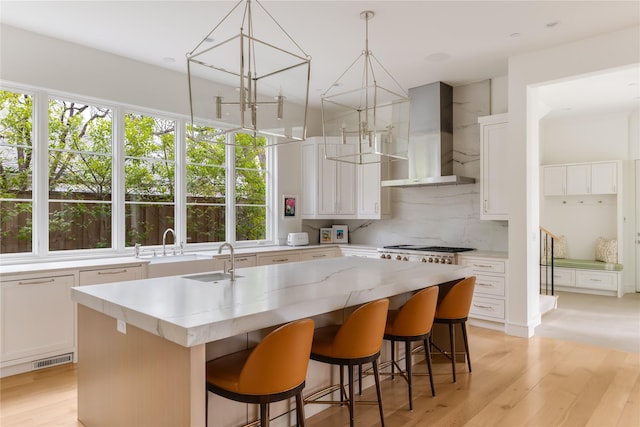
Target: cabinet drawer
x=487 y=307
x=489 y=285
x=561 y=276
x=314 y=255
x=240 y=261
x=484 y=265
x=606 y=281
x=110 y=275
x=277 y=258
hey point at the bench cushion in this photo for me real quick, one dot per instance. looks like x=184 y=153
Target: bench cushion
x=586 y=264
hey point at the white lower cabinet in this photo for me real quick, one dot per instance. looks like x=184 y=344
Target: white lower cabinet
x=311 y=255
x=489 y=296
x=239 y=261
x=583 y=280
x=37 y=318
x=112 y=274
x=278 y=258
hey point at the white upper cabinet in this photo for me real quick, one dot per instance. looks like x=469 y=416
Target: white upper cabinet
x=328 y=186
x=604 y=178
x=493 y=167
x=554 y=180
x=339 y=190
x=374 y=201
x=580 y=179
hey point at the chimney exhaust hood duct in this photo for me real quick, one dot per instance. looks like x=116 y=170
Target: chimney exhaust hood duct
x=430 y=139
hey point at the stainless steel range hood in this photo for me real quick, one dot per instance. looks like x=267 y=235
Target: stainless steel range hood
x=430 y=139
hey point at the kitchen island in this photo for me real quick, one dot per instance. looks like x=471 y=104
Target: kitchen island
x=143 y=345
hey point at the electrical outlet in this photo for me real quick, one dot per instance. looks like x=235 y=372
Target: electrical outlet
x=122 y=326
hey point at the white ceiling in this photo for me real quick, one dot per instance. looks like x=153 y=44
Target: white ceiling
x=418 y=42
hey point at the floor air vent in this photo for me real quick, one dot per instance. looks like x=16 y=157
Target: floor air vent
x=53 y=361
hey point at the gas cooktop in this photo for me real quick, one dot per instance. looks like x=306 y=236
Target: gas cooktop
x=447 y=249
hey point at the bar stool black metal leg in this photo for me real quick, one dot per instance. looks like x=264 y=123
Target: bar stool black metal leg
x=377 y=377
x=300 y=409
x=452 y=337
x=407 y=358
x=466 y=343
x=427 y=349
x=351 y=406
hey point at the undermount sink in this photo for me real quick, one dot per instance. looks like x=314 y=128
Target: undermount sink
x=211 y=277
x=177 y=258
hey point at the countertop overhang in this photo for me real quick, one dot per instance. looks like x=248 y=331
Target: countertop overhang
x=191 y=312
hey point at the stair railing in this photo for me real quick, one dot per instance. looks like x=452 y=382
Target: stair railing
x=547 y=240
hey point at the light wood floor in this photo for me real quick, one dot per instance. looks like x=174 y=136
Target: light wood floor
x=515 y=382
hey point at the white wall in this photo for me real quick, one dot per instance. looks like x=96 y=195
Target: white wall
x=527 y=71
x=584 y=138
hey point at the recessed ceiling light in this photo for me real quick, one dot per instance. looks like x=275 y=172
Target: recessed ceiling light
x=552 y=24
x=168 y=59
x=209 y=39
x=514 y=35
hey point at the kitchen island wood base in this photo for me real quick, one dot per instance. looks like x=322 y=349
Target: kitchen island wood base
x=136 y=379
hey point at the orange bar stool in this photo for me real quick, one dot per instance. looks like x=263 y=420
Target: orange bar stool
x=413 y=322
x=454 y=309
x=358 y=340
x=274 y=370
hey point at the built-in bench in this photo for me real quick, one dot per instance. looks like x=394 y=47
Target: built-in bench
x=586 y=276
x=586 y=264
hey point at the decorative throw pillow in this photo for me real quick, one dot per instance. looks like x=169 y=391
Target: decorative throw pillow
x=559 y=248
x=607 y=250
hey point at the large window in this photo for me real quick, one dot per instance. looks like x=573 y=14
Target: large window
x=72 y=171
x=80 y=176
x=250 y=187
x=16 y=172
x=149 y=175
x=206 y=185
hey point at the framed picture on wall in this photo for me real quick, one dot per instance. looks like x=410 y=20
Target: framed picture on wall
x=326 y=235
x=289 y=206
x=340 y=234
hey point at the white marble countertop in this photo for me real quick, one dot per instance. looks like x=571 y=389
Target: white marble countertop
x=191 y=312
x=68 y=263
x=485 y=254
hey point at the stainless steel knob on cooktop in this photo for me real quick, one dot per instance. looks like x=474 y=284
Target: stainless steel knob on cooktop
x=423 y=260
x=405 y=258
x=398 y=257
x=448 y=260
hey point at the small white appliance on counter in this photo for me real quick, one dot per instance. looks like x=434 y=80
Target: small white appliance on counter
x=297 y=239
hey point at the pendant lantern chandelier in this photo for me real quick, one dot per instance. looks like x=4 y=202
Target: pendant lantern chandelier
x=238 y=82
x=367 y=110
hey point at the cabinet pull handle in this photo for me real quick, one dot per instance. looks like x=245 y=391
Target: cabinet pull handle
x=486 y=285
x=242 y=259
x=481 y=266
x=103 y=272
x=37 y=282
x=483 y=307
x=595 y=280
x=281 y=260
x=319 y=256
